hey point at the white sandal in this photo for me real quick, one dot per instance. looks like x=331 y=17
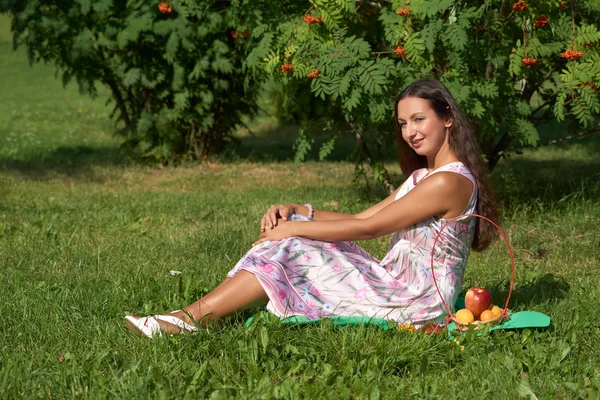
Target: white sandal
x=150 y=327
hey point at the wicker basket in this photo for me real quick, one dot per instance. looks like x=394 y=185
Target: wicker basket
x=461 y=326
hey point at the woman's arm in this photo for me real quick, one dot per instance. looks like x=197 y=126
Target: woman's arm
x=444 y=194
x=284 y=211
x=322 y=215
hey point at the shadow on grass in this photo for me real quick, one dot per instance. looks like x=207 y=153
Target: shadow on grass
x=550 y=179
x=276 y=144
x=521 y=179
x=543 y=289
x=68 y=161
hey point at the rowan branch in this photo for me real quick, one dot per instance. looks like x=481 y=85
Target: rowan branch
x=570 y=137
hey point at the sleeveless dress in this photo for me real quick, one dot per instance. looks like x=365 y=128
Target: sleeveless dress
x=318 y=279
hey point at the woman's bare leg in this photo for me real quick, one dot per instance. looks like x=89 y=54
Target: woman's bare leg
x=233 y=294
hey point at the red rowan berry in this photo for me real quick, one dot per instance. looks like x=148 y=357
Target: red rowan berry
x=400 y=51
x=589 y=84
x=309 y=19
x=403 y=11
x=541 y=21
x=287 y=67
x=572 y=54
x=164 y=8
x=234 y=34
x=313 y=75
x=529 y=62
x=587 y=45
x=520 y=5
x=593 y=86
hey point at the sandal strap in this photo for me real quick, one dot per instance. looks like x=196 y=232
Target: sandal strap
x=177 y=322
x=147 y=326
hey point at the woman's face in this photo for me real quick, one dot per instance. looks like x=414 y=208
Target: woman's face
x=421 y=128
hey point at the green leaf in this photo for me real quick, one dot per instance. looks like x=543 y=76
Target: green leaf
x=172 y=46
x=181 y=100
x=516 y=61
x=86 y=6
x=101 y=6
x=302 y=146
x=525 y=132
x=430 y=33
x=456 y=37
x=415 y=47
x=326 y=148
x=131 y=77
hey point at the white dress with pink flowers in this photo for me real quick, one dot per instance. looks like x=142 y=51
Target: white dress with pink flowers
x=318 y=279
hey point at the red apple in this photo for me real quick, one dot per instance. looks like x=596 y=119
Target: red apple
x=477 y=300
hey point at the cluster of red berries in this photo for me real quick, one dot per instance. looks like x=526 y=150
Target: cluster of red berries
x=403 y=11
x=529 y=62
x=572 y=54
x=287 y=68
x=561 y=4
x=590 y=84
x=314 y=75
x=164 y=8
x=520 y=5
x=541 y=21
x=236 y=34
x=309 y=19
x=587 y=45
x=400 y=51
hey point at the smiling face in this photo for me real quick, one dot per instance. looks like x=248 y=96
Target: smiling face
x=421 y=128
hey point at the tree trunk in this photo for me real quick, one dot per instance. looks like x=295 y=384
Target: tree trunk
x=496 y=153
x=120 y=102
x=108 y=78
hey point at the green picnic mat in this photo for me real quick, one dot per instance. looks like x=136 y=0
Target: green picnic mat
x=517 y=320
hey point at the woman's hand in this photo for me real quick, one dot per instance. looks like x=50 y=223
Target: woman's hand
x=279 y=232
x=275 y=212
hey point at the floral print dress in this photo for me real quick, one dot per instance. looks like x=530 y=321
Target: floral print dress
x=318 y=279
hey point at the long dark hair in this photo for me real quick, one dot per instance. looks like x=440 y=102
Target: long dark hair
x=462 y=141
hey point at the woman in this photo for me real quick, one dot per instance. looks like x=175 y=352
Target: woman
x=305 y=262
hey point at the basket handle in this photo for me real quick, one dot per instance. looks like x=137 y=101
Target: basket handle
x=510 y=250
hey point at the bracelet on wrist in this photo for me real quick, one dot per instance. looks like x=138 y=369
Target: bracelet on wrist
x=311 y=211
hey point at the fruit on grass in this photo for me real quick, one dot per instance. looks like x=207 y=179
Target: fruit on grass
x=497 y=311
x=487 y=315
x=477 y=300
x=431 y=329
x=464 y=316
x=406 y=327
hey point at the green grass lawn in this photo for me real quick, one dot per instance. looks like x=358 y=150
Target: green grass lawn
x=87 y=236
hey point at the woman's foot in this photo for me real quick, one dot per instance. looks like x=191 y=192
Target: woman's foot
x=158 y=325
